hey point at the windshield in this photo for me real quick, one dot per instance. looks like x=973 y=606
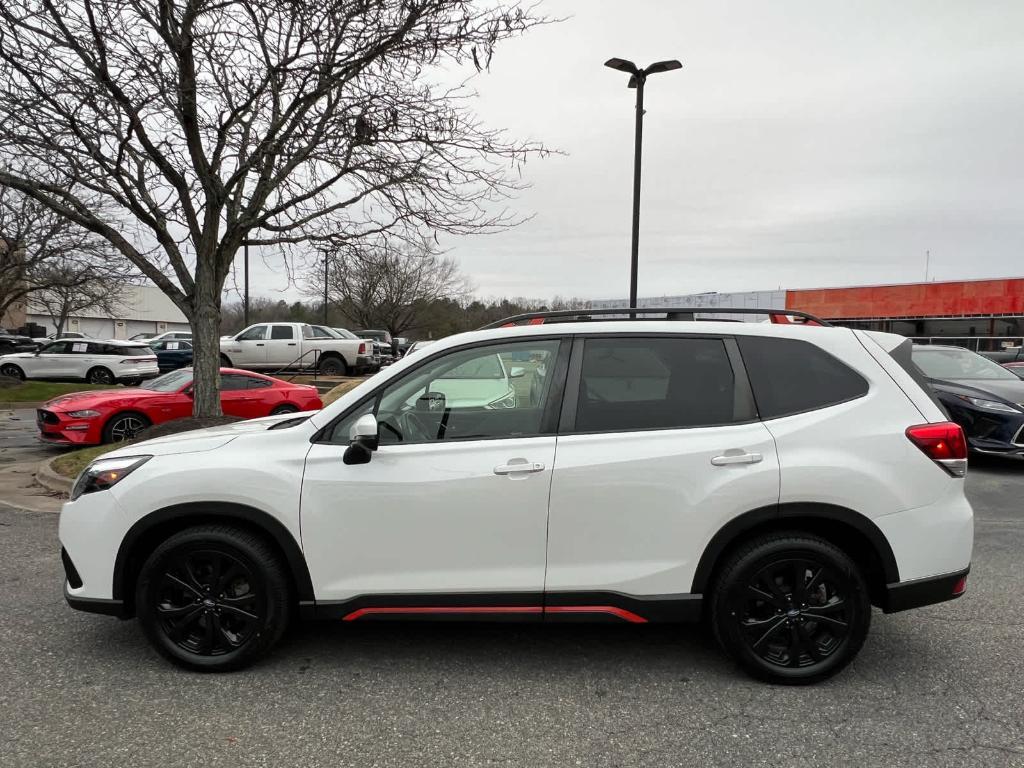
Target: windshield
x=488 y=367
x=344 y=333
x=957 y=364
x=170 y=382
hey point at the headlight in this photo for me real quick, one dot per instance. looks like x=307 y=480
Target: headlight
x=106 y=473
x=86 y=414
x=989 y=405
x=505 y=401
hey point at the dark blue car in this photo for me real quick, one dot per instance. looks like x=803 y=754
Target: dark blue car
x=981 y=396
x=172 y=353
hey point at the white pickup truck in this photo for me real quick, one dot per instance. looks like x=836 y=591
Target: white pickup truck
x=297 y=346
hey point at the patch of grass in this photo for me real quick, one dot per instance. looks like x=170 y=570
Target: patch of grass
x=71 y=464
x=340 y=390
x=40 y=391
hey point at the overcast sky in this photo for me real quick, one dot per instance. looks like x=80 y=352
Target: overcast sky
x=802 y=144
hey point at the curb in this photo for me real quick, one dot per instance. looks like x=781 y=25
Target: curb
x=50 y=480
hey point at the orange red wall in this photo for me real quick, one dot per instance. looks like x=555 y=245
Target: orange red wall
x=966 y=297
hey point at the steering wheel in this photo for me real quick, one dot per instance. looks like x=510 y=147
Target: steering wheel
x=416 y=427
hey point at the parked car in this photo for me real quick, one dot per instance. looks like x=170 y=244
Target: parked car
x=383 y=344
x=10 y=342
x=403 y=345
x=777 y=479
x=981 y=396
x=1017 y=369
x=108 y=416
x=366 y=358
x=374 y=346
x=279 y=346
x=171 y=353
x=143 y=337
x=175 y=335
x=97 y=362
x=67 y=335
x=1006 y=355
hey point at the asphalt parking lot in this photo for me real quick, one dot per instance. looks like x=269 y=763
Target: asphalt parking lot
x=942 y=686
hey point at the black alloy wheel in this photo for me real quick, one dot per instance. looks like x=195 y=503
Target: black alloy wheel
x=282 y=409
x=213 y=598
x=124 y=426
x=100 y=375
x=791 y=608
x=12 y=371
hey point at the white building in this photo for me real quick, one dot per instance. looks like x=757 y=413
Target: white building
x=695 y=301
x=145 y=309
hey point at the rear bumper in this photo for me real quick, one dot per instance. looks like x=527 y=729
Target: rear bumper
x=905 y=595
x=103 y=606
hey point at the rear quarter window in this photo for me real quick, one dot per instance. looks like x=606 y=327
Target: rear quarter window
x=791 y=376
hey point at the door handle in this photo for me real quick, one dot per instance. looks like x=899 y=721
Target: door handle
x=259 y=343
x=291 y=343
x=736 y=458
x=518 y=466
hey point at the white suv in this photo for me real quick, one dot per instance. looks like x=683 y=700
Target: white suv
x=778 y=480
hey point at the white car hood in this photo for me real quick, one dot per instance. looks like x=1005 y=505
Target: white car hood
x=199 y=440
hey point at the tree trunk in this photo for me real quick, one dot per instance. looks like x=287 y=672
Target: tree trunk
x=206 y=346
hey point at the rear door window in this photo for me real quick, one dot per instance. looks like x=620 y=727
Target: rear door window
x=282 y=332
x=791 y=376
x=656 y=383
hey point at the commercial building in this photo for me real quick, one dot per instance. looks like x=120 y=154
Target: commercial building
x=979 y=314
x=144 y=309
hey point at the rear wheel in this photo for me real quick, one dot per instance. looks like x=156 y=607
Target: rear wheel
x=124 y=426
x=284 y=409
x=11 y=371
x=100 y=375
x=213 y=598
x=791 y=608
x=333 y=366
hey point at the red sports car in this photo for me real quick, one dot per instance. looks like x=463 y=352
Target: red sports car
x=111 y=415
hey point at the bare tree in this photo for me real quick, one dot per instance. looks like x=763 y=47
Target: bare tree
x=389 y=286
x=206 y=124
x=41 y=251
x=69 y=286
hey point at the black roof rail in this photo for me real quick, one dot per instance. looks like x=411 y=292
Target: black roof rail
x=670 y=313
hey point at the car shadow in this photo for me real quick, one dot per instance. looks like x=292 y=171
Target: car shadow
x=984 y=462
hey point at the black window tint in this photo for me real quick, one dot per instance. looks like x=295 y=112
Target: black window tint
x=792 y=376
x=904 y=356
x=282 y=332
x=255 y=383
x=141 y=351
x=233 y=381
x=630 y=383
x=58 y=348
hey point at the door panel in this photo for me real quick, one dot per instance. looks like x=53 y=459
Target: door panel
x=250 y=348
x=633 y=511
x=282 y=345
x=428 y=517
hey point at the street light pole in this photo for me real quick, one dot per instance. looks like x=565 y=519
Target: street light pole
x=637 y=79
x=327 y=266
x=245 y=302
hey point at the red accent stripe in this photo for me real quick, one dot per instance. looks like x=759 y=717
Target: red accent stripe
x=358 y=614
x=621 y=613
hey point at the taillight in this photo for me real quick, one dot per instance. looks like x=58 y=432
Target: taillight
x=960 y=587
x=943 y=443
x=362 y=348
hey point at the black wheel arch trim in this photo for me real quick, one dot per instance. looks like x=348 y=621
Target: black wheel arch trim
x=748 y=521
x=214 y=511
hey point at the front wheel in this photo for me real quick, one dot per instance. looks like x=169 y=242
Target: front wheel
x=791 y=608
x=12 y=371
x=124 y=426
x=213 y=598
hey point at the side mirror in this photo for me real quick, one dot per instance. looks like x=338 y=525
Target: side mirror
x=188 y=392
x=516 y=372
x=365 y=439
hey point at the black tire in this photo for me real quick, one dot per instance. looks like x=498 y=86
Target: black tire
x=100 y=375
x=778 y=631
x=214 y=631
x=12 y=371
x=132 y=382
x=281 y=409
x=124 y=426
x=225 y=362
x=333 y=366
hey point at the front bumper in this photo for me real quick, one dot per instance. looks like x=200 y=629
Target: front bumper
x=916 y=593
x=57 y=428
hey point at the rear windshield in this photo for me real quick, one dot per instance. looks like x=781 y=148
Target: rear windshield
x=170 y=382
x=138 y=351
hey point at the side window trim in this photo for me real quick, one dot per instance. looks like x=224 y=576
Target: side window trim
x=744 y=406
